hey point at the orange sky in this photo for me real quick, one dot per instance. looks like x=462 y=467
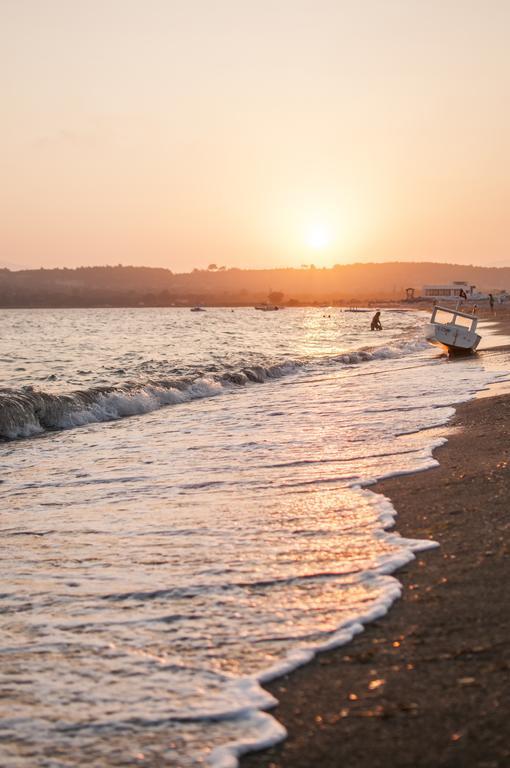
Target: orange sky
x=254 y=132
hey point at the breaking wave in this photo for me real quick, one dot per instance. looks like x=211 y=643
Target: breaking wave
x=28 y=411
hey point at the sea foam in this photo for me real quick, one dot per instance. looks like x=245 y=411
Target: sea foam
x=29 y=411
x=271 y=732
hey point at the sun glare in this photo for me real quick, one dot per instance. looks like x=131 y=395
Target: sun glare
x=318 y=237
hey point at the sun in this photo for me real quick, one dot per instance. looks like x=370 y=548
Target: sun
x=318 y=237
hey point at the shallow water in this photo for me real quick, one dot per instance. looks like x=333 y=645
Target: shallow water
x=157 y=566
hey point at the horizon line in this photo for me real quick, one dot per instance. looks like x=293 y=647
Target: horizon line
x=11 y=267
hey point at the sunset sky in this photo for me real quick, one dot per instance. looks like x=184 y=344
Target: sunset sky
x=254 y=133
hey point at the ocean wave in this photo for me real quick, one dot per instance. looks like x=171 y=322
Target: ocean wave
x=28 y=411
x=387 y=352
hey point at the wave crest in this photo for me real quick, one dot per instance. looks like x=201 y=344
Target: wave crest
x=29 y=411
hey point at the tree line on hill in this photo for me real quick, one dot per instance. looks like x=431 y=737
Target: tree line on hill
x=124 y=286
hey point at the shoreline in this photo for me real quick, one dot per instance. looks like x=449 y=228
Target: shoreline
x=427 y=684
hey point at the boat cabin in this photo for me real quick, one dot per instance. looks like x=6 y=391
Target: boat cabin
x=445 y=316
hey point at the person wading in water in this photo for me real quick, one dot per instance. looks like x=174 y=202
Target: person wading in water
x=375 y=325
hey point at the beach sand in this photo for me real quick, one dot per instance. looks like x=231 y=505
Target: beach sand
x=428 y=684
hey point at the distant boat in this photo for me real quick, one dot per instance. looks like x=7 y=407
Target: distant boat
x=453 y=330
x=197 y=309
x=356 y=309
x=264 y=307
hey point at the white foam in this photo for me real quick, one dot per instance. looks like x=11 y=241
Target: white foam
x=227 y=755
x=29 y=412
x=104 y=407
x=271 y=732
x=405 y=549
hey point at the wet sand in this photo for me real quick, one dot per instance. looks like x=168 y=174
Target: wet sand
x=428 y=684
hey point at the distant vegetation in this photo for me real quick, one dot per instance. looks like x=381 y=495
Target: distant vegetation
x=144 y=286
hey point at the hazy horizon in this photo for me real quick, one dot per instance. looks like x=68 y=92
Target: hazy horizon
x=212 y=268
x=254 y=135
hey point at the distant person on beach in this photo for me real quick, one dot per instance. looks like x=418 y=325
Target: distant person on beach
x=375 y=325
x=491 y=302
x=462 y=295
x=475 y=309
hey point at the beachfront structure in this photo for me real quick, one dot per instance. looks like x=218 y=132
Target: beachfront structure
x=451 y=291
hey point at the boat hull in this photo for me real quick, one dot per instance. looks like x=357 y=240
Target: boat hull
x=455 y=339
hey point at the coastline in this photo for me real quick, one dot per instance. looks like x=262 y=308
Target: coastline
x=426 y=685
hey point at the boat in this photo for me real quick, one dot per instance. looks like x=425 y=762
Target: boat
x=197 y=309
x=264 y=307
x=453 y=330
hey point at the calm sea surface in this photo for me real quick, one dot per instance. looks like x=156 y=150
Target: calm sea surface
x=185 y=512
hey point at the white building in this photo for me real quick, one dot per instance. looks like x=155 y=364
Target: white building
x=452 y=291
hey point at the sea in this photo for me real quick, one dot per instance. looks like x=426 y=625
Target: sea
x=186 y=513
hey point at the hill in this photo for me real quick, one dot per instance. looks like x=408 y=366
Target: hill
x=146 y=286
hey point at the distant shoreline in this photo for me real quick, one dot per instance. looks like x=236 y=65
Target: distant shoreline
x=342 y=284
x=440 y=659
x=384 y=303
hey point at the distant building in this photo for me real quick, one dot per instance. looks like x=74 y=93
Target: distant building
x=451 y=291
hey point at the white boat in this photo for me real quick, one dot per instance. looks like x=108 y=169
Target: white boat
x=267 y=307
x=453 y=330
x=197 y=309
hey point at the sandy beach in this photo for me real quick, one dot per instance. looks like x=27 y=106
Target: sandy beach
x=427 y=685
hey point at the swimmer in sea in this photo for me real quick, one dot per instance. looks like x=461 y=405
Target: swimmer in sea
x=375 y=325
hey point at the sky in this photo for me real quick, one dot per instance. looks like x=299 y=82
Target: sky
x=254 y=133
